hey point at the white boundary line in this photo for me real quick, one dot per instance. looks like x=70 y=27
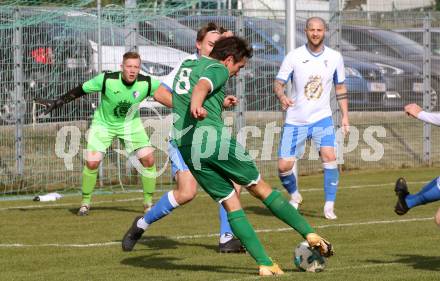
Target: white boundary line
x=197 y=236
x=51 y=205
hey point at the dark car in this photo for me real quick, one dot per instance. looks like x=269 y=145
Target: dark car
x=51 y=62
x=169 y=32
x=60 y=54
x=403 y=79
x=416 y=34
x=391 y=44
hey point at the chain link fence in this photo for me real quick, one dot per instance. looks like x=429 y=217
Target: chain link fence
x=46 y=51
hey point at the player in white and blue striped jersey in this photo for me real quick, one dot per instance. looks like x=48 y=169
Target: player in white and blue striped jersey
x=313 y=69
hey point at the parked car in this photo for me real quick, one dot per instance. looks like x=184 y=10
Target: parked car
x=59 y=55
x=416 y=34
x=169 y=32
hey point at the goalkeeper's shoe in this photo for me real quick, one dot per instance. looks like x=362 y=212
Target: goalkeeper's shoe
x=131 y=237
x=147 y=207
x=401 y=190
x=83 y=210
x=323 y=246
x=265 y=270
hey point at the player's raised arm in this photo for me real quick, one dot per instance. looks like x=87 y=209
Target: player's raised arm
x=90 y=86
x=163 y=96
x=201 y=90
x=50 y=104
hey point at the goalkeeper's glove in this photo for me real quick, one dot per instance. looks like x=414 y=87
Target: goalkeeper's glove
x=68 y=97
x=49 y=105
x=317 y=242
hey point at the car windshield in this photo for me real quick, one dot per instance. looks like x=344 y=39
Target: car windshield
x=175 y=31
x=88 y=25
x=404 y=44
x=273 y=29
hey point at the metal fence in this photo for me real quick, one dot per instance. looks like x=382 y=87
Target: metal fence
x=45 y=53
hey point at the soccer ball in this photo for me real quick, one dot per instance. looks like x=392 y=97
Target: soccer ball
x=308 y=259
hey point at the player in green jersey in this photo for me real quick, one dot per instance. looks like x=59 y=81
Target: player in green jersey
x=122 y=92
x=186 y=185
x=214 y=157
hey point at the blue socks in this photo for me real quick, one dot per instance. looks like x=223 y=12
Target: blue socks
x=429 y=193
x=331 y=180
x=163 y=207
x=288 y=180
x=224 y=223
x=167 y=203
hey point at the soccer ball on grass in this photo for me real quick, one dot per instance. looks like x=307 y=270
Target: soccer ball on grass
x=308 y=259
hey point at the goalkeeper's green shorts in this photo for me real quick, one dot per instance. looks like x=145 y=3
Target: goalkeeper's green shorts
x=101 y=136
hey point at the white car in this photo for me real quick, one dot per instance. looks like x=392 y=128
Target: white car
x=157 y=60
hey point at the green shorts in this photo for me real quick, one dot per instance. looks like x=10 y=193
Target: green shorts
x=101 y=136
x=215 y=172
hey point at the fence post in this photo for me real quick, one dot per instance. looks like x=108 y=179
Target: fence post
x=18 y=92
x=239 y=85
x=334 y=25
x=290 y=45
x=99 y=12
x=427 y=86
x=130 y=26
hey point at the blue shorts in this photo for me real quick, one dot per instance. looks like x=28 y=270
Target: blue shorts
x=293 y=137
x=177 y=162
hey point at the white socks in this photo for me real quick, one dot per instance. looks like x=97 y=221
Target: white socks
x=226 y=237
x=295 y=199
x=141 y=223
x=329 y=212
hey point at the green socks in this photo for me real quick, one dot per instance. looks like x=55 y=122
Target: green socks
x=282 y=209
x=246 y=233
x=148 y=178
x=88 y=184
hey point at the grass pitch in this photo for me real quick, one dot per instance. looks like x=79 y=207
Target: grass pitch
x=47 y=241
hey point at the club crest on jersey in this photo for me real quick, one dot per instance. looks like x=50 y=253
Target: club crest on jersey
x=135 y=94
x=313 y=89
x=122 y=108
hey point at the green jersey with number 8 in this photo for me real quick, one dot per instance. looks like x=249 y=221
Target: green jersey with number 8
x=189 y=74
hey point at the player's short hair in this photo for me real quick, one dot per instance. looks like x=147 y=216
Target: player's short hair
x=207 y=28
x=130 y=55
x=316 y=18
x=234 y=46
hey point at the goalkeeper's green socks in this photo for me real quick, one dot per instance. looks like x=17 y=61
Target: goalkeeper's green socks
x=148 y=178
x=282 y=209
x=88 y=184
x=246 y=233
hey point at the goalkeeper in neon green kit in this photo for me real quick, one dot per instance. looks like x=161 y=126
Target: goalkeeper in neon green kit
x=122 y=91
